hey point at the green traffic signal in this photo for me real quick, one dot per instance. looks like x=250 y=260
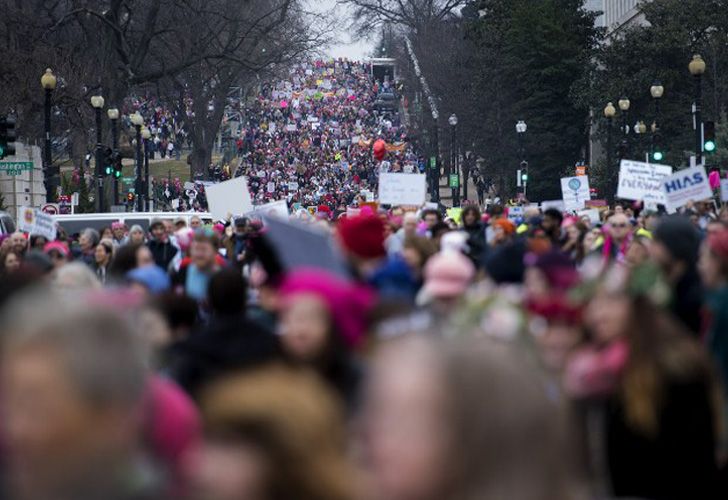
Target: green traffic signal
x=657 y=156
x=117 y=174
x=709 y=146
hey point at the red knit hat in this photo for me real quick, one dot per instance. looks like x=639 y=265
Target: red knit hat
x=363 y=236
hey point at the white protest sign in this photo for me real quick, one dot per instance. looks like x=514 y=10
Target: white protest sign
x=271 y=187
x=293 y=186
x=515 y=213
x=690 y=184
x=557 y=204
x=229 y=197
x=278 y=209
x=724 y=190
x=402 y=189
x=642 y=181
x=291 y=127
x=575 y=191
x=35 y=222
x=591 y=213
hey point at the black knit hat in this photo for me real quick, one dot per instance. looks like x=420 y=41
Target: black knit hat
x=680 y=237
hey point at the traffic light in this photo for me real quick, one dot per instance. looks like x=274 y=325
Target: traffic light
x=7 y=136
x=107 y=162
x=524 y=173
x=116 y=164
x=709 y=137
x=657 y=153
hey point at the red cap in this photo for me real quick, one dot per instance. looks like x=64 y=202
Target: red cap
x=363 y=236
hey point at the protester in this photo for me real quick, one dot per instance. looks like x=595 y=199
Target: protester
x=476 y=234
x=163 y=251
x=103 y=256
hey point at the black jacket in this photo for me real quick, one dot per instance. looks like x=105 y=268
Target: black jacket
x=226 y=344
x=163 y=253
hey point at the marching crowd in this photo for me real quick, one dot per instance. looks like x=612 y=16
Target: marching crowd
x=544 y=356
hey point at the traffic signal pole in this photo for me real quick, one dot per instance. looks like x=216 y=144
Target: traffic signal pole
x=115 y=148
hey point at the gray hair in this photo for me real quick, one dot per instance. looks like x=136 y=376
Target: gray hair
x=135 y=228
x=102 y=355
x=75 y=276
x=92 y=235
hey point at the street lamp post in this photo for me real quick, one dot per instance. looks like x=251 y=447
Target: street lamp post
x=137 y=120
x=48 y=81
x=97 y=102
x=640 y=129
x=656 y=91
x=146 y=135
x=521 y=129
x=697 y=68
x=624 y=105
x=454 y=171
x=113 y=115
x=609 y=112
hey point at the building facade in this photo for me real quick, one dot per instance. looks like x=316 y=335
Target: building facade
x=621 y=13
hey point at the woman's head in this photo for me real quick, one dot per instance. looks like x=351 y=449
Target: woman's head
x=460 y=419
x=471 y=215
x=416 y=251
x=10 y=260
x=272 y=433
x=104 y=252
x=713 y=262
x=136 y=235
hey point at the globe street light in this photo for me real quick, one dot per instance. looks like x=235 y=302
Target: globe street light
x=656 y=91
x=113 y=114
x=97 y=102
x=521 y=129
x=137 y=120
x=48 y=82
x=697 y=68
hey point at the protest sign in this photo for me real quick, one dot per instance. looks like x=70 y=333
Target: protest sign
x=293 y=186
x=642 y=181
x=557 y=204
x=402 y=189
x=591 y=213
x=229 y=197
x=35 y=222
x=724 y=190
x=690 y=184
x=515 y=213
x=277 y=209
x=575 y=191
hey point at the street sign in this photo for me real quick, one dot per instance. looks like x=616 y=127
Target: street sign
x=15 y=167
x=454 y=181
x=433 y=162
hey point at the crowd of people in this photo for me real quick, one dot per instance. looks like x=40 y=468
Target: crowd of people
x=544 y=356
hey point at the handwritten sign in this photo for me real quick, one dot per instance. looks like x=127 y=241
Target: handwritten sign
x=575 y=191
x=402 y=189
x=34 y=221
x=642 y=181
x=229 y=197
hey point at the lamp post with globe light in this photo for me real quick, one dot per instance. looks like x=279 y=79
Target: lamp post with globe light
x=609 y=112
x=656 y=91
x=97 y=102
x=138 y=121
x=454 y=170
x=48 y=82
x=697 y=68
x=113 y=114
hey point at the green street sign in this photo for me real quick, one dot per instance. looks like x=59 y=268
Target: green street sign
x=127 y=180
x=433 y=162
x=15 y=167
x=454 y=180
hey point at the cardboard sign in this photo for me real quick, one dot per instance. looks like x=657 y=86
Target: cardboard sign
x=35 y=222
x=402 y=189
x=515 y=213
x=575 y=191
x=690 y=184
x=642 y=181
x=229 y=197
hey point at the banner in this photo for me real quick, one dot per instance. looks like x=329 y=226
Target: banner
x=402 y=189
x=642 y=181
x=575 y=191
x=229 y=197
x=35 y=222
x=690 y=184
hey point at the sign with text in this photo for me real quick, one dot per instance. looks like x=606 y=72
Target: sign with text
x=33 y=221
x=277 y=209
x=229 y=197
x=15 y=167
x=690 y=184
x=402 y=189
x=642 y=181
x=575 y=191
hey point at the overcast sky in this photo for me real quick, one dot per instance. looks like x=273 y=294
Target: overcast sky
x=345 y=47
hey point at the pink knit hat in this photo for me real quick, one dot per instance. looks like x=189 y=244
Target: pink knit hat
x=347 y=302
x=448 y=274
